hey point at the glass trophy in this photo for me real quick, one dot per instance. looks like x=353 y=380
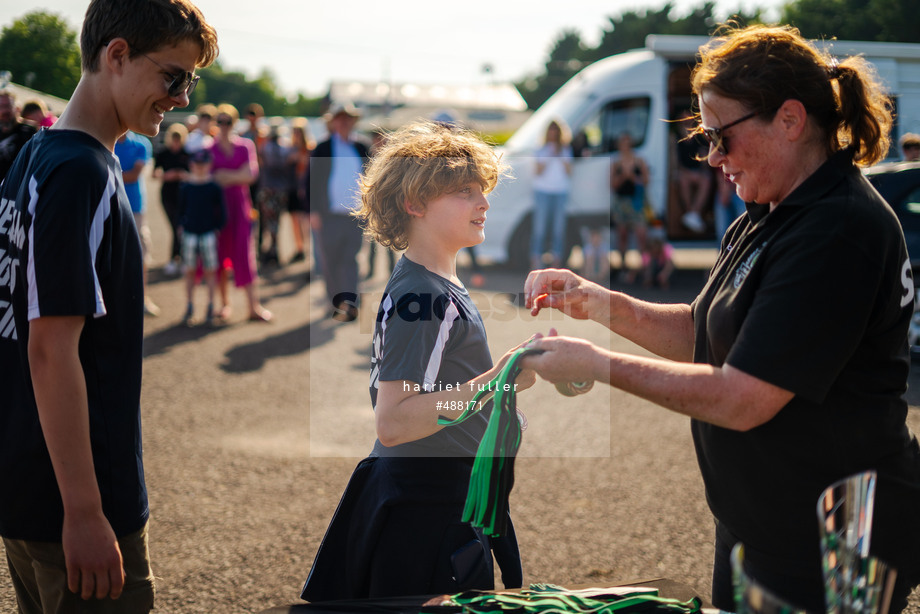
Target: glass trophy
x=751 y=597
x=855 y=582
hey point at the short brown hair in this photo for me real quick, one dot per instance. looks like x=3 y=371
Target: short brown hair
x=147 y=25
x=419 y=163
x=762 y=67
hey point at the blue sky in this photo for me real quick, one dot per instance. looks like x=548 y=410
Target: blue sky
x=306 y=44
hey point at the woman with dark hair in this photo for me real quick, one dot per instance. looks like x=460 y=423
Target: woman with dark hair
x=793 y=360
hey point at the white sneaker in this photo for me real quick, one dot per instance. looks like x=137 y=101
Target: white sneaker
x=693 y=221
x=150 y=308
x=171 y=268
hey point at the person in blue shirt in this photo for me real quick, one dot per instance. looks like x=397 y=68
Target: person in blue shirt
x=331 y=192
x=134 y=152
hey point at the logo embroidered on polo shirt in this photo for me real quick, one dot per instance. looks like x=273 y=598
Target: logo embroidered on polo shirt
x=746 y=266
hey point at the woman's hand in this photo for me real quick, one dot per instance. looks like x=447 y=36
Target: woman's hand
x=563 y=290
x=564 y=359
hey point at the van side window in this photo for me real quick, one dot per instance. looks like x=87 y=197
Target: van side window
x=629 y=115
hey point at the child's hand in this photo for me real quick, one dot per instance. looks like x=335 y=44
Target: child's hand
x=507 y=355
x=527 y=377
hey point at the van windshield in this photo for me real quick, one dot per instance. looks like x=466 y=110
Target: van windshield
x=599 y=130
x=622 y=116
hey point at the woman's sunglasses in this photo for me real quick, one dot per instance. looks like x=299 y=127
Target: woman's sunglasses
x=182 y=82
x=714 y=135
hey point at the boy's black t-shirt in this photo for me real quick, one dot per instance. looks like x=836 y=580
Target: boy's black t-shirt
x=70 y=248
x=430 y=333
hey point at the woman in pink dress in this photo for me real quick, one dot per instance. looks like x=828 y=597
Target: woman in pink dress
x=235 y=168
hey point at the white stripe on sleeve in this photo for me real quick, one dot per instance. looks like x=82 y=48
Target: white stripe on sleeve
x=434 y=361
x=96 y=231
x=33 y=308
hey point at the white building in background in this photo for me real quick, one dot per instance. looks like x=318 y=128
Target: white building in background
x=491 y=108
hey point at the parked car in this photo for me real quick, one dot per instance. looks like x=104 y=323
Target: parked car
x=899 y=183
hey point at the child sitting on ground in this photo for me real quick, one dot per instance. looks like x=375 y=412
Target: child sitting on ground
x=398 y=528
x=657 y=260
x=595 y=249
x=202 y=214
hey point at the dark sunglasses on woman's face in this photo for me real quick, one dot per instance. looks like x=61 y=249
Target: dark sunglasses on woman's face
x=714 y=135
x=223 y=121
x=185 y=81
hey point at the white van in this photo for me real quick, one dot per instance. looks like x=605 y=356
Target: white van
x=639 y=92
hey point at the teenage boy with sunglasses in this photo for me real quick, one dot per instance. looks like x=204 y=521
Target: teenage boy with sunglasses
x=73 y=510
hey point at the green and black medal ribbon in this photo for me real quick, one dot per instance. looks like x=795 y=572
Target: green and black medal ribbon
x=492 y=477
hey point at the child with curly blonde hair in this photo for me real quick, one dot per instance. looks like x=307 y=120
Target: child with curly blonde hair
x=398 y=528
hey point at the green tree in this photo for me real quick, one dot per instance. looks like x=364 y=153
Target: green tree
x=565 y=59
x=628 y=30
x=218 y=85
x=845 y=19
x=625 y=31
x=306 y=107
x=875 y=20
x=41 y=52
x=899 y=20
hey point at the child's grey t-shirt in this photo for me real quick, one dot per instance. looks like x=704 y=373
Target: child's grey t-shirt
x=429 y=333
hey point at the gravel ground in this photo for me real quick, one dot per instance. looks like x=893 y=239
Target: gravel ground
x=239 y=504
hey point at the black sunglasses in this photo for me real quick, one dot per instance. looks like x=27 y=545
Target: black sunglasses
x=224 y=122
x=182 y=82
x=714 y=135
